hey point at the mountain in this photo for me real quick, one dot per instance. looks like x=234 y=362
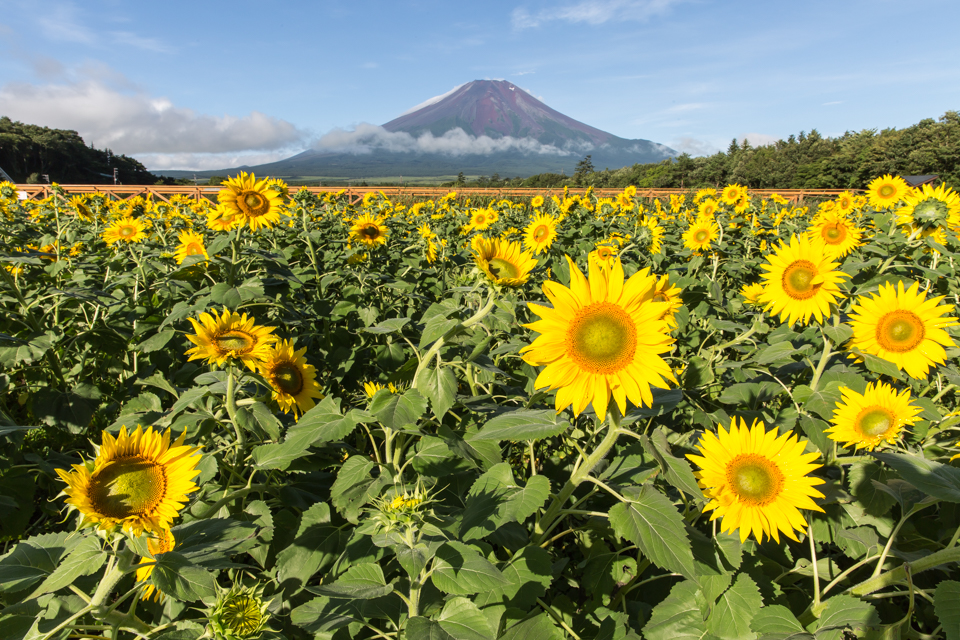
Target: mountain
x=480 y=128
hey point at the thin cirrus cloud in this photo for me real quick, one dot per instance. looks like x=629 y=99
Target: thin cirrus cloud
x=592 y=12
x=63 y=22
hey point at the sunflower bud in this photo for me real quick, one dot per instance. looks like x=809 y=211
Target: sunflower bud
x=239 y=614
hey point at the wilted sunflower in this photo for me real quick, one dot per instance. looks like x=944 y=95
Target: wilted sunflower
x=840 y=236
x=878 y=415
x=230 y=336
x=927 y=209
x=886 y=191
x=294 y=382
x=125 y=229
x=540 y=233
x=255 y=200
x=650 y=234
x=602 y=338
x=756 y=480
x=191 y=244
x=82 y=207
x=800 y=281
x=505 y=263
x=138 y=481
x=701 y=233
x=902 y=327
x=162 y=543
x=369 y=230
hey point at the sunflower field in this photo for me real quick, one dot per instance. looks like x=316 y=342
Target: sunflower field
x=286 y=415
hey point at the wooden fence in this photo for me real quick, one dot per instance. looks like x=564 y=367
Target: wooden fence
x=164 y=192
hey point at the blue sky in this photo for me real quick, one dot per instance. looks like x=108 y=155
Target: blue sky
x=203 y=85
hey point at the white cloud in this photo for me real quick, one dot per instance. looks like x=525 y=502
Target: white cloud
x=694 y=147
x=63 y=22
x=134 y=123
x=593 y=12
x=759 y=139
x=366 y=138
x=210 y=161
x=430 y=101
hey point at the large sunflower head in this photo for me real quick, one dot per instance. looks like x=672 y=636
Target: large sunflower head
x=540 y=233
x=294 y=382
x=927 y=208
x=801 y=281
x=138 y=482
x=903 y=327
x=756 y=480
x=125 y=229
x=505 y=263
x=369 y=230
x=886 y=191
x=160 y=543
x=701 y=233
x=230 y=335
x=878 y=415
x=255 y=200
x=602 y=338
x=840 y=236
x=191 y=244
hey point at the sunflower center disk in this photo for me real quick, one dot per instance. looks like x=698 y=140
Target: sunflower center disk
x=371 y=231
x=193 y=249
x=602 y=338
x=798 y=280
x=253 y=204
x=235 y=341
x=287 y=376
x=874 y=421
x=834 y=234
x=126 y=232
x=900 y=331
x=755 y=479
x=128 y=487
x=887 y=191
x=242 y=615
x=701 y=236
x=502 y=269
x=540 y=233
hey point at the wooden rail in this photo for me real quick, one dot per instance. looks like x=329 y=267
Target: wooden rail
x=355 y=194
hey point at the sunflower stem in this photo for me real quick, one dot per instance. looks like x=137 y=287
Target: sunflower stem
x=232 y=406
x=813 y=560
x=466 y=324
x=893 y=535
x=824 y=358
x=110 y=578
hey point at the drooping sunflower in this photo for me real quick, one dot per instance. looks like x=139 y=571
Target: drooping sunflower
x=800 y=281
x=732 y=193
x=82 y=207
x=840 y=235
x=756 y=481
x=191 y=244
x=902 y=327
x=369 y=230
x=540 y=233
x=928 y=209
x=604 y=255
x=138 y=481
x=878 y=415
x=886 y=191
x=700 y=234
x=602 y=338
x=663 y=291
x=255 y=200
x=162 y=543
x=751 y=293
x=294 y=382
x=125 y=229
x=230 y=335
x=650 y=234
x=505 y=263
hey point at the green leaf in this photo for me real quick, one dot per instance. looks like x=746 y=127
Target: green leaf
x=316 y=546
x=323 y=423
x=945 y=600
x=360 y=582
x=750 y=394
x=860 y=480
x=440 y=386
x=540 y=627
x=463 y=621
x=435 y=328
x=879 y=365
x=423 y=629
x=735 y=609
x=391 y=325
x=178 y=578
x=496 y=498
x=188 y=398
x=27 y=352
x=322 y=615
x=815 y=431
x=675 y=470
x=354 y=486
x=933 y=478
x=396 y=411
x=522 y=425
x=71 y=409
x=776 y=622
x=651 y=522
x=529 y=575
x=211 y=542
x=460 y=570
x=678 y=617
x=157 y=341
x=838 y=334
x=780 y=352
x=34 y=559
x=86 y=558
x=847 y=611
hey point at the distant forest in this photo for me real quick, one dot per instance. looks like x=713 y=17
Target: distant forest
x=28 y=152
x=805 y=161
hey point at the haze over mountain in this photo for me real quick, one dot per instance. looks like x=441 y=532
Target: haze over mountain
x=479 y=128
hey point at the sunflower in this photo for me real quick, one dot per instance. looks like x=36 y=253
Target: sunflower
x=840 y=236
x=700 y=234
x=886 y=191
x=845 y=203
x=751 y=293
x=902 y=327
x=369 y=230
x=294 y=382
x=504 y=262
x=82 y=207
x=224 y=218
x=801 y=281
x=482 y=219
x=650 y=234
x=536 y=202
x=602 y=338
x=371 y=388
x=663 y=291
x=603 y=256
x=126 y=229
x=865 y=420
x=230 y=336
x=756 y=480
x=540 y=233
x=240 y=613
x=138 y=481
x=708 y=208
x=162 y=543
x=930 y=209
x=255 y=200
x=191 y=244
x=702 y=194
x=731 y=193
